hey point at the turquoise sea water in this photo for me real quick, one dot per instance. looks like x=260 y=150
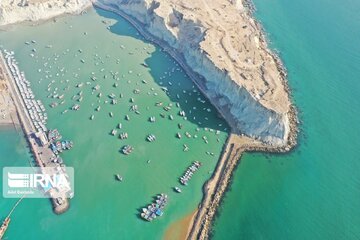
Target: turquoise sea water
x=314 y=192
x=82 y=47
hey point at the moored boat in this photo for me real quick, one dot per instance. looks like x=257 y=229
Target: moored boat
x=127 y=149
x=119 y=177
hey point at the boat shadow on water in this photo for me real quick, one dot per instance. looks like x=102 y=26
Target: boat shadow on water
x=196 y=106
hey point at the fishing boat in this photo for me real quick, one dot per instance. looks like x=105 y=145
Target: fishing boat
x=119 y=126
x=123 y=136
x=118 y=177
x=182 y=113
x=155 y=209
x=4 y=227
x=111 y=114
x=91 y=117
x=151 y=137
x=134 y=108
x=98 y=108
x=152 y=119
x=186 y=148
x=144 y=65
x=178 y=135
x=75 y=107
x=127 y=117
x=113 y=132
x=127 y=149
x=54 y=104
x=6 y=222
x=189 y=172
x=177 y=189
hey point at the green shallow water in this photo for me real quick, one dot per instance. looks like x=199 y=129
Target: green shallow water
x=102 y=207
x=313 y=192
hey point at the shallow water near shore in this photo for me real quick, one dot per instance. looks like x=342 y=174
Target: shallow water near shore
x=86 y=51
x=313 y=192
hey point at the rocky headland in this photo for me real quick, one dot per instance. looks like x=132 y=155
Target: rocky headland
x=223 y=49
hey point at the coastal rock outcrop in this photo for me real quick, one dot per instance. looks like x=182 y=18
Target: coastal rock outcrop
x=223 y=44
x=14 y=11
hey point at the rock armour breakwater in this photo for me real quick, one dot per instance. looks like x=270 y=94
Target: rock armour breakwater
x=235 y=146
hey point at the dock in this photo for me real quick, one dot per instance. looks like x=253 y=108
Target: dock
x=35 y=136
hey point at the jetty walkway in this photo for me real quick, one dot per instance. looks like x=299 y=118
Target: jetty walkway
x=42 y=154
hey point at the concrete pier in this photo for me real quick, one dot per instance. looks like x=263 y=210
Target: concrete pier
x=43 y=156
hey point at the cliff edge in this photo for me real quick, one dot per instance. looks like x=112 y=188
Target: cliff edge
x=223 y=44
x=14 y=11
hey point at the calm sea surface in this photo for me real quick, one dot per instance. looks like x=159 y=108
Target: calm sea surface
x=72 y=56
x=314 y=192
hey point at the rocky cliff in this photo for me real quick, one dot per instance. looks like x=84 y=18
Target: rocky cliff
x=14 y=11
x=222 y=43
x=218 y=39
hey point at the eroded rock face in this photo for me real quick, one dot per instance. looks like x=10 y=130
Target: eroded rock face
x=14 y=11
x=222 y=43
x=218 y=39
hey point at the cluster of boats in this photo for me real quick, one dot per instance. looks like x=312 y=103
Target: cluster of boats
x=123 y=135
x=189 y=172
x=127 y=149
x=35 y=108
x=53 y=135
x=155 y=209
x=75 y=107
x=134 y=108
x=151 y=138
x=58 y=146
x=182 y=113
